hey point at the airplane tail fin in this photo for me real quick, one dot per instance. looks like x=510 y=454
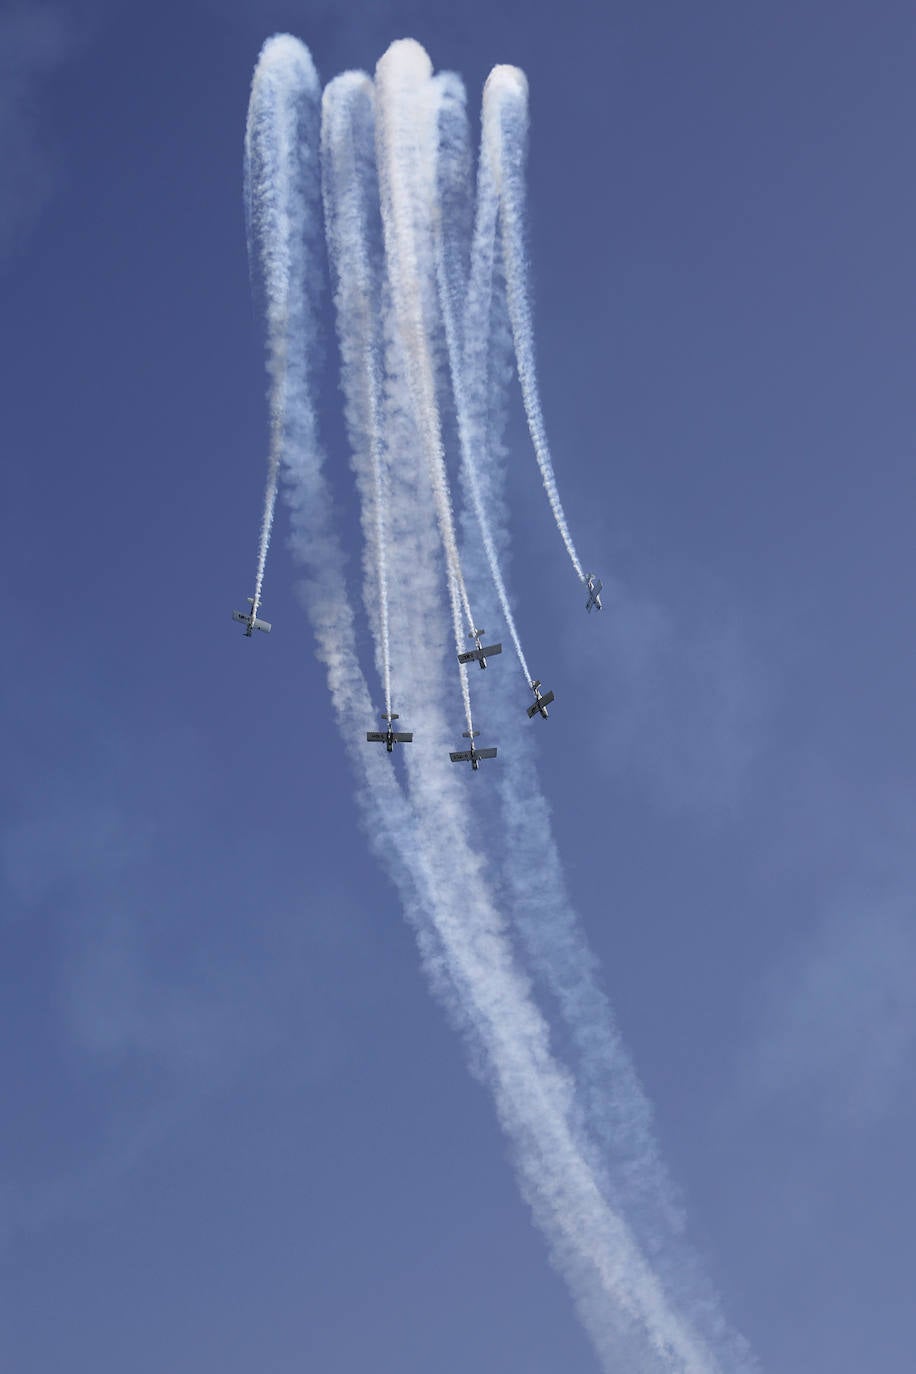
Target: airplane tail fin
x=469 y=734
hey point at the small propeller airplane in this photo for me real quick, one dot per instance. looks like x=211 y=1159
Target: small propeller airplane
x=541 y=700
x=482 y=652
x=594 y=586
x=472 y=755
x=389 y=737
x=251 y=621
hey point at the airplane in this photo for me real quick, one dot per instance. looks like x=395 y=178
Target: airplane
x=594 y=587
x=251 y=620
x=389 y=737
x=472 y=755
x=541 y=701
x=482 y=651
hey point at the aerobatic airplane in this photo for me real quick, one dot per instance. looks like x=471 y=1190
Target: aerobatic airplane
x=251 y=621
x=594 y=587
x=472 y=755
x=389 y=737
x=541 y=700
x=482 y=652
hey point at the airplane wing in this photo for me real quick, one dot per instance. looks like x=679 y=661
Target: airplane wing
x=471 y=654
x=544 y=700
x=489 y=650
x=464 y=756
x=237 y=615
x=486 y=753
x=405 y=738
x=262 y=625
x=374 y=737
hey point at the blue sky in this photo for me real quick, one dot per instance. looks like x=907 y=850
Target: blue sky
x=239 y=1131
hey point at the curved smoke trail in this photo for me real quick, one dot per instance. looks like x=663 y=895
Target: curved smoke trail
x=406 y=140
x=425 y=836
x=469 y=373
x=348 y=185
x=505 y=134
x=276 y=170
x=614 y=1288
x=616 y=1115
x=616 y=1130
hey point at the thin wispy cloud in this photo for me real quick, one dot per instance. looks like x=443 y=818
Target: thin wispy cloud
x=111 y=959
x=689 y=702
x=837 y=1031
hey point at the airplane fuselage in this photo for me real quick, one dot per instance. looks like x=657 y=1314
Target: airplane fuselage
x=472 y=754
x=541 y=700
x=389 y=737
x=251 y=621
x=480 y=652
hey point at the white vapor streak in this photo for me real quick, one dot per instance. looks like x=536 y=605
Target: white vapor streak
x=273 y=210
x=616 y=1292
x=467 y=347
x=347 y=115
x=505 y=131
x=314 y=542
x=614 y=1289
x=405 y=138
x=616 y=1114
x=426 y=837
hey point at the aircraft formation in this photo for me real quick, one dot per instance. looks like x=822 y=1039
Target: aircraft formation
x=408 y=176
x=479 y=655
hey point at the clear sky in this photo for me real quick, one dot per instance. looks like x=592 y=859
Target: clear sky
x=238 y=1133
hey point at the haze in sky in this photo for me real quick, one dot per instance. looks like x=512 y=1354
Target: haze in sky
x=240 y=1132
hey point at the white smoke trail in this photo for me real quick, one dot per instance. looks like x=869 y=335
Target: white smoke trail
x=614 y=1288
x=471 y=338
x=505 y=132
x=295 y=195
x=274 y=216
x=349 y=183
x=441 y=874
x=405 y=140
x=616 y=1114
